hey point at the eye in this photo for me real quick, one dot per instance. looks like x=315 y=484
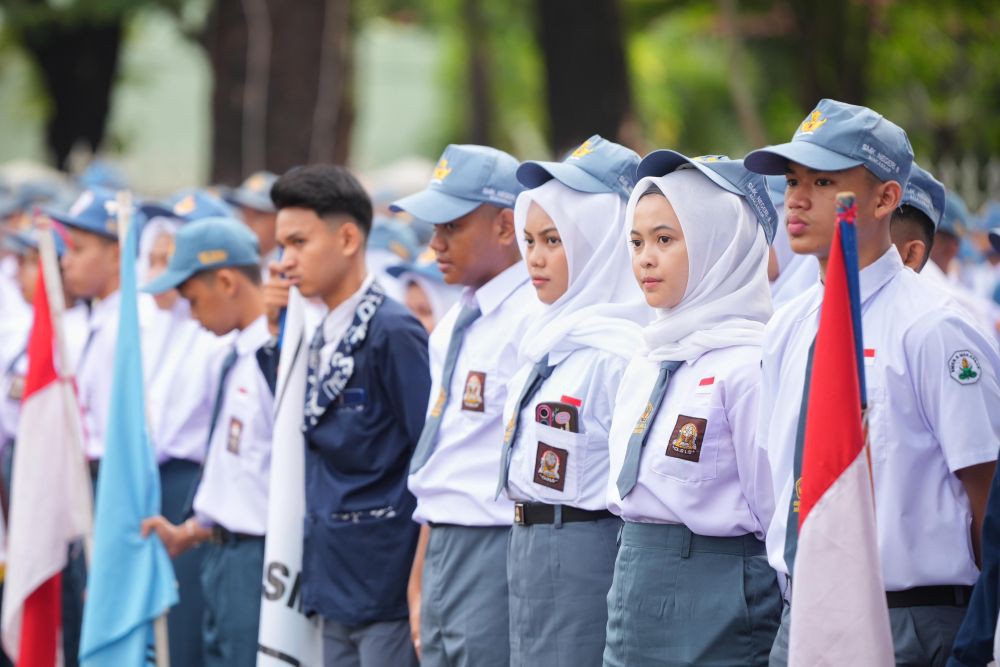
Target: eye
x=552 y=240
x=635 y=243
x=449 y=226
x=664 y=239
x=528 y=241
x=791 y=182
x=823 y=182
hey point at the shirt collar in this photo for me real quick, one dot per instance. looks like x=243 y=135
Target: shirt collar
x=495 y=292
x=871 y=279
x=345 y=309
x=249 y=340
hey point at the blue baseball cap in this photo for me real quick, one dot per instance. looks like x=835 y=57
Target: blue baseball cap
x=465 y=177
x=395 y=237
x=728 y=174
x=203 y=245
x=925 y=193
x=102 y=174
x=837 y=136
x=425 y=266
x=994 y=235
x=955 y=219
x=254 y=192
x=776 y=186
x=27 y=239
x=94 y=211
x=597 y=165
x=189 y=205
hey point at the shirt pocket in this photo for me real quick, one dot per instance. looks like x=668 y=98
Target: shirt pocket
x=554 y=463
x=690 y=451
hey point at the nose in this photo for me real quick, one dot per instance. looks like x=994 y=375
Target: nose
x=796 y=198
x=437 y=243
x=647 y=258
x=534 y=256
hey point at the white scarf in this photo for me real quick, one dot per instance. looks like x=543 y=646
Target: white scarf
x=602 y=307
x=727 y=301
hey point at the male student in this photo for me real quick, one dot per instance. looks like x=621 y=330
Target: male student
x=458 y=592
x=933 y=396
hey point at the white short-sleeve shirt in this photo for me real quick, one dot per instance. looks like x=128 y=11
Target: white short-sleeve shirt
x=934 y=409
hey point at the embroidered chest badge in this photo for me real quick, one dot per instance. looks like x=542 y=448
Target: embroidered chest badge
x=550 y=466
x=16 y=390
x=235 y=435
x=472 y=397
x=964 y=367
x=686 y=438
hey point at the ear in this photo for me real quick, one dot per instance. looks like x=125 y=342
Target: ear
x=504 y=225
x=352 y=240
x=913 y=253
x=227 y=282
x=888 y=197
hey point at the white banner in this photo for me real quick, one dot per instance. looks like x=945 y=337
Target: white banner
x=286 y=636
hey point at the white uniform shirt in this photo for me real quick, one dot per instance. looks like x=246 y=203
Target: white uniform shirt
x=458 y=483
x=979 y=309
x=234 y=486
x=722 y=488
x=550 y=464
x=924 y=422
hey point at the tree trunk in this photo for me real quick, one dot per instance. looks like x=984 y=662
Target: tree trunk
x=588 y=86
x=480 y=120
x=225 y=40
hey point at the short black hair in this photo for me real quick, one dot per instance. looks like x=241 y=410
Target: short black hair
x=327 y=190
x=909 y=223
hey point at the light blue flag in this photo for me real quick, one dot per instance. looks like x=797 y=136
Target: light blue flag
x=131 y=580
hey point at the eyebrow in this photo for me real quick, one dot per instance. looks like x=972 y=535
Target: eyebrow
x=654 y=229
x=548 y=230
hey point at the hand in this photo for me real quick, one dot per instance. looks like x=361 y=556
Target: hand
x=414 y=601
x=176 y=539
x=275 y=297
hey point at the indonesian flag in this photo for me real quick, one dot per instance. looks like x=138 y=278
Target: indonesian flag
x=839 y=614
x=51 y=501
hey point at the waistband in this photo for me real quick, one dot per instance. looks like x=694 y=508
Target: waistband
x=676 y=536
x=222 y=536
x=526 y=514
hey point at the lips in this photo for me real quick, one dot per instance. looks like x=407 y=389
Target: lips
x=796 y=226
x=650 y=283
x=538 y=281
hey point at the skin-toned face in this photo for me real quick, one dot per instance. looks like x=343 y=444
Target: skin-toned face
x=159 y=257
x=545 y=255
x=945 y=249
x=318 y=253
x=212 y=296
x=264 y=225
x=659 y=255
x=811 y=210
x=90 y=265
x=27 y=274
x=416 y=300
x=473 y=249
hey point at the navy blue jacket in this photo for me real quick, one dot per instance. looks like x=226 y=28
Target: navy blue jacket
x=359 y=533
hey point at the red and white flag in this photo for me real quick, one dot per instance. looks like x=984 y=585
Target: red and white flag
x=50 y=506
x=839 y=614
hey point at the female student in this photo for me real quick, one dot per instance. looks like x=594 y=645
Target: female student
x=692 y=585
x=554 y=463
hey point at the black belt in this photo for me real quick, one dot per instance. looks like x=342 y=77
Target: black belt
x=526 y=514
x=930 y=596
x=222 y=536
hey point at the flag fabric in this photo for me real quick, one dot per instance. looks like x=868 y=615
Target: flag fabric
x=52 y=506
x=286 y=636
x=131 y=580
x=839 y=614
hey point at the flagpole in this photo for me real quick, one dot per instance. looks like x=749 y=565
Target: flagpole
x=124 y=214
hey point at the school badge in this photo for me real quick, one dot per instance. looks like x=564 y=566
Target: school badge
x=16 y=390
x=235 y=434
x=964 y=367
x=550 y=466
x=472 y=397
x=586 y=148
x=812 y=123
x=441 y=171
x=685 y=441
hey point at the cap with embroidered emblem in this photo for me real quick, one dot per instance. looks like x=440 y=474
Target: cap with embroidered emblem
x=189 y=205
x=393 y=236
x=925 y=193
x=836 y=136
x=94 y=211
x=254 y=192
x=596 y=165
x=203 y=245
x=465 y=177
x=730 y=175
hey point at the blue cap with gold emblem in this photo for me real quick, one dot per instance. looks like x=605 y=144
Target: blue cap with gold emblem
x=597 y=165
x=925 y=193
x=94 y=211
x=837 y=136
x=189 y=205
x=730 y=175
x=465 y=177
x=393 y=236
x=254 y=192
x=203 y=245
x=955 y=219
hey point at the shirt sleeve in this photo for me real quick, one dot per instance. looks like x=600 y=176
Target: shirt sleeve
x=405 y=375
x=751 y=461
x=953 y=370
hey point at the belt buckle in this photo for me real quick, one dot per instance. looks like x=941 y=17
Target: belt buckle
x=519 y=513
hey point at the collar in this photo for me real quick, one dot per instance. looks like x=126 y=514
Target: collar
x=871 y=279
x=345 y=309
x=495 y=292
x=252 y=338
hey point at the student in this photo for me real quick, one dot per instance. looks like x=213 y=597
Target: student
x=426 y=293
x=391 y=242
x=458 y=591
x=913 y=224
x=253 y=199
x=560 y=558
x=366 y=395
x=933 y=398
x=692 y=585
x=216 y=268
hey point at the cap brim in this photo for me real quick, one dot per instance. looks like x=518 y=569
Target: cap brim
x=168 y=280
x=252 y=200
x=75 y=224
x=773 y=160
x=434 y=206
x=662 y=162
x=534 y=174
x=995 y=239
x=157 y=211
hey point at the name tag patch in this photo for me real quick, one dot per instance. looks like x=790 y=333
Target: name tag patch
x=16 y=390
x=686 y=438
x=550 y=466
x=235 y=433
x=472 y=397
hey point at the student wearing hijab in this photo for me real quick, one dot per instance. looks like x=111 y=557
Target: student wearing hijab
x=554 y=464
x=692 y=585
x=426 y=293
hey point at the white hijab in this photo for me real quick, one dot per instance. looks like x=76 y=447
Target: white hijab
x=440 y=295
x=150 y=232
x=601 y=308
x=728 y=299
